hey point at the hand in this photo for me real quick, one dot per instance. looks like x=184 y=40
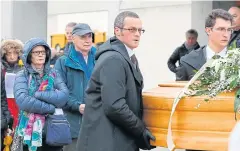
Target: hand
x=81 y=108
x=145 y=140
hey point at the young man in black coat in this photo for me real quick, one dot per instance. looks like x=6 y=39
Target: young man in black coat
x=112 y=119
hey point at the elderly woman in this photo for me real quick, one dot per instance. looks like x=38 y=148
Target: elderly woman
x=39 y=90
x=11 y=51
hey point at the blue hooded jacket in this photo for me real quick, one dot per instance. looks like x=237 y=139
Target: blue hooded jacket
x=43 y=102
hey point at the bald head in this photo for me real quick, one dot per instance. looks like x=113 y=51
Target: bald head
x=235 y=12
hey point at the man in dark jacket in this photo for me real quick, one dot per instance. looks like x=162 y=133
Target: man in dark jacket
x=235 y=38
x=6 y=118
x=68 y=33
x=112 y=120
x=190 y=44
x=76 y=68
x=218 y=28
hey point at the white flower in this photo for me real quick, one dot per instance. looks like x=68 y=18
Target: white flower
x=217 y=65
x=222 y=75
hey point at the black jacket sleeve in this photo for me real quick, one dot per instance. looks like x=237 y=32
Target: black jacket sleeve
x=5 y=114
x=113 y=93
x=173 y=59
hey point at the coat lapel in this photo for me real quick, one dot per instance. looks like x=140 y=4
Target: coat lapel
x=196 y=58
x=119 y=47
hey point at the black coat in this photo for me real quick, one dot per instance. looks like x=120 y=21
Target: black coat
x=112 y=119
x=191 y=63
x=5 y=114
x=177 y=55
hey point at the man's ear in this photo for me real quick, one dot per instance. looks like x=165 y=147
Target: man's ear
x=117 y=31
x=208 y=30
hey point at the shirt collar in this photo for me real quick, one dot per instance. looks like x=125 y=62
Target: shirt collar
x=130 y=51
x=210 y=53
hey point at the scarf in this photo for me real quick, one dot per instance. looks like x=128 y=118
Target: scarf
x=40 y=71
x=30 y=124
x=88 y=66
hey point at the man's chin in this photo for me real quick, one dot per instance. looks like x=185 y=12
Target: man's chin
x=135 y=46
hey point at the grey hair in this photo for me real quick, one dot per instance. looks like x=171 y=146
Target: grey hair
x=192 y=32
x=71 y=24
x=119 y=20
x=217 y=13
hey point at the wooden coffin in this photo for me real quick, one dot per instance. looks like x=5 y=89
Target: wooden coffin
x=196 y=124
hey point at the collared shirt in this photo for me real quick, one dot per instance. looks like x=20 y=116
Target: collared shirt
x=130 y=51
x=85 y=58
x=210 y=53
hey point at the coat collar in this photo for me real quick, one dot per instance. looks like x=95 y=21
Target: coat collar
x=196 y=58
x=118 y=46
x=76 y=61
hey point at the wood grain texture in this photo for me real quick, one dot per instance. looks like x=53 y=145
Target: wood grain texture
x=196 y=124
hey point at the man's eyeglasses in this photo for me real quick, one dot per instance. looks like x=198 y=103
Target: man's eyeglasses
x=134 y=30
x=223 y=30
x=37 y=53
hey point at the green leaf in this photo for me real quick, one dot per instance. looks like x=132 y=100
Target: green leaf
x=206 y=100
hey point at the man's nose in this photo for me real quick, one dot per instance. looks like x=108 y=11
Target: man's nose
x=138 y=33
x=226 y=34
x=88 y=40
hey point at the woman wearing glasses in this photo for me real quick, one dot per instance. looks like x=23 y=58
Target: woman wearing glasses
x=38 y=91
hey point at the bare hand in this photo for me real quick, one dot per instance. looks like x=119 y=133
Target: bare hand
x=81 y=108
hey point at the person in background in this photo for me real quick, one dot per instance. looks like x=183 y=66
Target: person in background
x=68 y=33
x=54 y=56
x=235 y=37
x=11 y=52
x=6 y=118
x=57 y=54
x=39 y=90
x=112 y=119
x=76 y=68
x=189 y=45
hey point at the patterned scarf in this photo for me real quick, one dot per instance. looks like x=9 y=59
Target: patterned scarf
x=30 y=124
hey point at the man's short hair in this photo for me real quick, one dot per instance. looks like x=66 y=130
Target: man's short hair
x=71 y=24
x=119 y=20
x=217 y=13
x=192 y=32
